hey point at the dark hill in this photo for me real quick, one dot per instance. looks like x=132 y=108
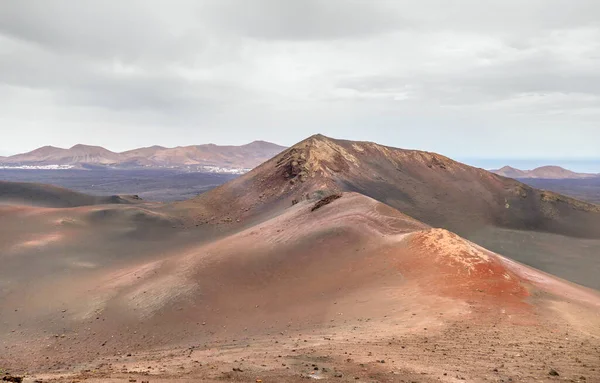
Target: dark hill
x=25 y=193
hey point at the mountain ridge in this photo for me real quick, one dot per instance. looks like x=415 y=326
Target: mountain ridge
x=321 y=163
x=496 y=212
x=207 y=156
x=546 y=172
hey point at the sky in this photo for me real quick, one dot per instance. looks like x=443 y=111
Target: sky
x=470 y=79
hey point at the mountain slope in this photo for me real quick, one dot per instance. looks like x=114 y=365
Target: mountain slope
x=427 y=186
x=285 y=275
x=510 y=172
x=245 y=156
x=78 y=154
x=536 y=227
x=339 y=288
x=546 y=172
x=25 y=193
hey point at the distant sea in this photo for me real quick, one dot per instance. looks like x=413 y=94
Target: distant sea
x=591 y=165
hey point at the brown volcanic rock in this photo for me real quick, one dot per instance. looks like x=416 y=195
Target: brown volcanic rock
x=427 y=186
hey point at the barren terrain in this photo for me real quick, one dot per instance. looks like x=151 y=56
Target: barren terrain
x=270 y=279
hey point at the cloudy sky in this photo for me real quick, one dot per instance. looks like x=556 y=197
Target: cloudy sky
x=467 y=78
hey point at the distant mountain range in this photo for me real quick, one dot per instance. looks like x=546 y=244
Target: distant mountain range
x=547 y=172
x=209 y=157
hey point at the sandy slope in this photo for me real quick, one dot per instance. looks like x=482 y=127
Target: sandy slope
x=298 y=293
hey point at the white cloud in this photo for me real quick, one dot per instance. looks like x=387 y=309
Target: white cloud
x=453 y=77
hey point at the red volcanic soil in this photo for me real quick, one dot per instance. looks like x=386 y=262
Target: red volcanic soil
x=459 y=268
x=352 y=291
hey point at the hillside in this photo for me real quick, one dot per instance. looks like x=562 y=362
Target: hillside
x=78 y=154
x=33 y=194
x=499 y=213
x=352 y=289
x=197 y=157
x=427 y=186
x=289 y=273
x=545 y=172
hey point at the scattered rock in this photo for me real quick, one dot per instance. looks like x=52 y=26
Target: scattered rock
x=325 y=201
x=17 y=379
x=553 y=372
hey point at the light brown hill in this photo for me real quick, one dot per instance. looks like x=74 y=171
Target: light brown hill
x=245 y=156
x=78 y=154
x=232 y=157
x=546 y=172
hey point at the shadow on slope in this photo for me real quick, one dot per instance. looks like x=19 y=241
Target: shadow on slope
x=33 y=194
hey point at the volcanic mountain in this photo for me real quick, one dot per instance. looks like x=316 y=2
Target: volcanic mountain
x=78 y=154
x=292 y=272
x=196 y=156
x=546 y=172
x=499 y=213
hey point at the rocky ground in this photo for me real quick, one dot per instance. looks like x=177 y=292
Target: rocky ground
x=420 y=346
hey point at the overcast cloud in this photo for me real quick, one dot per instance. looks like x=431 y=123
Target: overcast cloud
x=476 y=78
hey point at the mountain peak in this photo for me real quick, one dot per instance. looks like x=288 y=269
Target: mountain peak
x=263 y=145
x=316 y=154
x=86 y=147
x=414 y=182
